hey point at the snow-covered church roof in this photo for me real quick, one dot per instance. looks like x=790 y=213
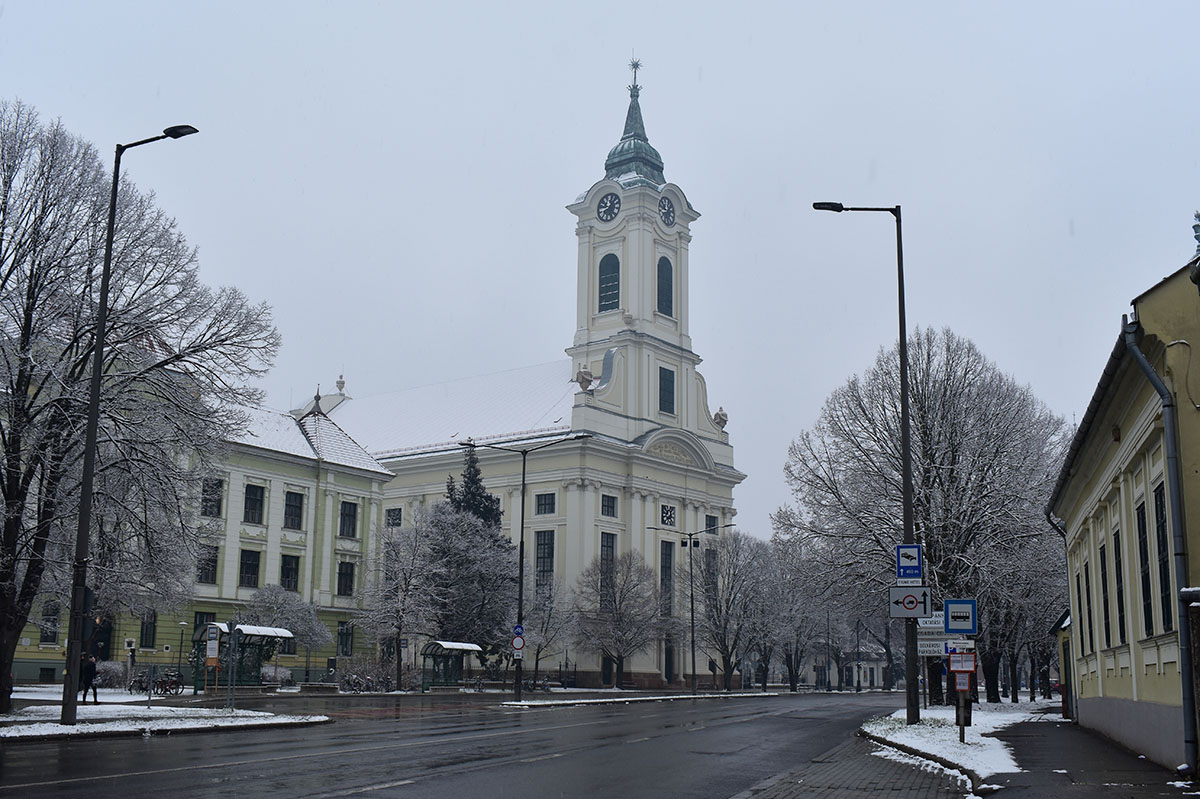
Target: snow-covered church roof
x=315 y=436
x=518 y=403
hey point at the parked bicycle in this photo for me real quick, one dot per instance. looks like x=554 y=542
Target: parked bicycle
x=531 y=684
x=170 y=682
x=140 y=683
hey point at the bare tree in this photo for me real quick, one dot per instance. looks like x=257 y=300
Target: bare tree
x=985 y=454
x=730 y=583
x=402 y=596
x=617 y=608
x=549 y=622
x=276 y=606
x=178 y=358
x=796 y=601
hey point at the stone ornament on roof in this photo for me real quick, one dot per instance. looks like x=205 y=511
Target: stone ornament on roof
x=720 y=418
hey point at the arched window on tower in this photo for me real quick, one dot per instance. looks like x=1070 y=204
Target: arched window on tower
x=610 y=283
x=666 y=287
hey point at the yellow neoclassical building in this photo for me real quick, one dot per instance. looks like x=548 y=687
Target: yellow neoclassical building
x=1128 y=497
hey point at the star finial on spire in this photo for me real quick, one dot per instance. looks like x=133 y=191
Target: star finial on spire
x=634 y=65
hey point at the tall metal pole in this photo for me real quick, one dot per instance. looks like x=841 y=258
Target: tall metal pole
x=911 y=689
x=521 y=533
x=520 y=577
x=828 y=647
x=79 y=567
x=692 y=587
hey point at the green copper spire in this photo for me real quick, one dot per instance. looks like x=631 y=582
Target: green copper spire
x=633 y=155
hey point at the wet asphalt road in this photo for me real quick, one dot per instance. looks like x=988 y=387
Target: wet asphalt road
x=458 y=746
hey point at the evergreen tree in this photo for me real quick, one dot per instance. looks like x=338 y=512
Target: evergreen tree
x=472 y=497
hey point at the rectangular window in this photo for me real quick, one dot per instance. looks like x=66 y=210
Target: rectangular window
x=149 y=629
x=710 y=574
x=289 y=572
x=248 y=569
x=666 y=576
x=543 y=504
x=348 y=520
x=212 y=491
x=1144 y=568
x=666 y=390
x=252 y=505
x=711 y=524
x=1079 y=605
x=608 y=506
x=345 y=639
x=293 y=510
x=49 y=625
x=206 y=565
x=202 y=619
x=1087 y=588
x=608 y=553
x=287 y=646
x=1104 y=608
x=545 y=561
x=1164 y=558
x=393 y=517
x=1119 y=573
x=345 y=580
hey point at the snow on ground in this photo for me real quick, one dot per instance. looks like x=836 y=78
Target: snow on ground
x=937 y=734
x=120 y=711
x=630 y=697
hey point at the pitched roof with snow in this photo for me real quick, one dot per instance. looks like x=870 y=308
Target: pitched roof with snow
x=519 y=403
x=316 y=436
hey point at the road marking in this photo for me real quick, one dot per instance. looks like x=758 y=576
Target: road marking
x=637 y=740
x=365 y=788
x=543 y=757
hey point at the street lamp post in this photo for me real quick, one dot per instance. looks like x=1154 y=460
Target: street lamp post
x=521 y=534
x=911 y=689
x=691 y=544
x=179 y=656
x=79 y=578
x=857 y=657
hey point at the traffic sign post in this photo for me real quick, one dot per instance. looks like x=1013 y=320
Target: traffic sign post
x=908 y=603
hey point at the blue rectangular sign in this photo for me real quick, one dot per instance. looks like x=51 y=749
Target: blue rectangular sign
x=908 y=562
x=962 y=616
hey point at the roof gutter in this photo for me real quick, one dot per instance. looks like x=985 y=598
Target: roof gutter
x=1170 y=433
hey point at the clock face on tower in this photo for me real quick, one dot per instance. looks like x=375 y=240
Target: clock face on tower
x=666 y=211
x=608 y=207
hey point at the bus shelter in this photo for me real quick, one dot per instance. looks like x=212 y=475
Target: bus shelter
x=442 y=662
x=238 y=657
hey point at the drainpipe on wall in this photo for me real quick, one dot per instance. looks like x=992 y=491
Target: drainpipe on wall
x=1170 y=433
x=1068 y=668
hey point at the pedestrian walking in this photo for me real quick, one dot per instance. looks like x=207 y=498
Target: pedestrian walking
x=88 y=678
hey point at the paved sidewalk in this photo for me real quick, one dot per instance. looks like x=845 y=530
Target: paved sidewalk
x=850 y=770
x=1060 y=760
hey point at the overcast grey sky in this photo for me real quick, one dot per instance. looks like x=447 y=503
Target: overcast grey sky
x=391 y=177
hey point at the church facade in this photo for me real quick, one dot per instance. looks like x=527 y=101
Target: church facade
x=657 y=463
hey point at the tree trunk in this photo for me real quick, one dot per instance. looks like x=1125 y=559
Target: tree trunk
x=1014 y=679
x=620 y=669
x=1033 y=675
x=727 y=672
x=889 y=676
x=790 y=661
x=990 y=660
x=399 y=663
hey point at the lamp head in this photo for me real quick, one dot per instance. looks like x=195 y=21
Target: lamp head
x=179 y=131
x=837 y=208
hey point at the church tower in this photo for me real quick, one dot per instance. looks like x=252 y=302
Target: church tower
x=632 y=350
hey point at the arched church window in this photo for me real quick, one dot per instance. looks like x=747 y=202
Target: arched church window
x=610 y=283
x=665 y=287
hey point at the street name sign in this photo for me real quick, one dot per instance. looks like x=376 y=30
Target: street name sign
x=908 y=602
x=962 y=616
x=909 y=565
x=935 y=622
x=930 y=649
